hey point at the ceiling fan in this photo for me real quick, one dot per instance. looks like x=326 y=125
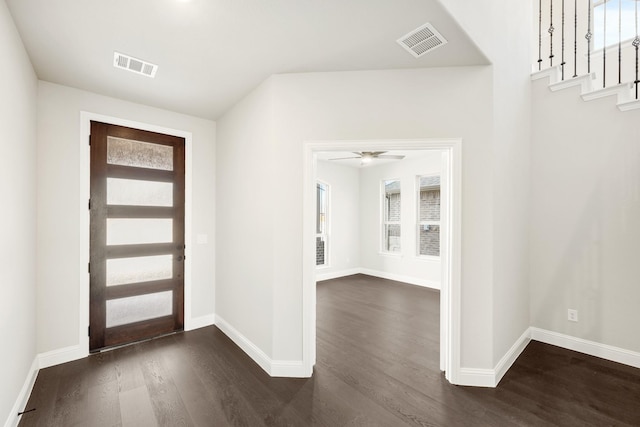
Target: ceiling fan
x=368 y=156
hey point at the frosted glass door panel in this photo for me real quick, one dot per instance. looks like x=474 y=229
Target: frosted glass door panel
x=138 y=308
x=139 y=269
x=127 y=152
x=133 y=231
x=133 y=192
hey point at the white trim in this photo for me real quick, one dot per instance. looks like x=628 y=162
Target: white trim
x=60 y=356
x=275 y=368
x=327 y=226
x=381 y=274
x=200 y=322
x=450 y=301
x=491 y=377
x=400 y=278
x=385 y=222
x=418 y=223
x=258 y=356
x=604 y=351
x=289 y=369
x=621 y=91
x=475 y=377
x=397 y=255
x=630 y=105
x=85 y=128
x=451 y=261
x=585 y=82
x=510 y=356
x=21 y=401
x=553 y=73
x=337 y=274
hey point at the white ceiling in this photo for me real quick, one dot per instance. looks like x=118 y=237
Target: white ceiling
x=211 y=53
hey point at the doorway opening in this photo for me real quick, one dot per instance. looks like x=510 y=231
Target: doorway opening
x=448 y=228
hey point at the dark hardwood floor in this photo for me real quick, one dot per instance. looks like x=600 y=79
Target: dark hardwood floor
x=377 y=351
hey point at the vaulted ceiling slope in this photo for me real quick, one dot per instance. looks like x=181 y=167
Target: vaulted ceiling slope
x=211 y=53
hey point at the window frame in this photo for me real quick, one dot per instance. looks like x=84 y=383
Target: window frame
x=597 y=25
x=325 y=234
x=420 y=223
x=384 y=221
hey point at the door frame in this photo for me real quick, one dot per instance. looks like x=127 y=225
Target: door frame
x=85 y=130
x=451 y=253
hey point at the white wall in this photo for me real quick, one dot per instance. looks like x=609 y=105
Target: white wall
x=18 y=87
x=585 y=233
x=406 y=265
x=246 y=222
x=501 y=29
x=443 y=102
x=344 y=218
x=59 y=202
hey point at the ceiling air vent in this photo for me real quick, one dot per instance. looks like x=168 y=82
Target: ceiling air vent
x=422 y=40
x=134 y=65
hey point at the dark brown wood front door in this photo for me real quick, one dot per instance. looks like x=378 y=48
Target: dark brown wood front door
x=137 y=235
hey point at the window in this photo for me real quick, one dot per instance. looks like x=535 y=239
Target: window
x=391 y=203
x=429 y=215
x=322 y=211
x=620 y=22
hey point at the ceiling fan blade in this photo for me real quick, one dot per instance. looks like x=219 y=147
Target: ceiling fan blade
x=374 y=153
x=345 y=158
x=390 y=156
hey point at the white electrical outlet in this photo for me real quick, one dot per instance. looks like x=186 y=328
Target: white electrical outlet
x=572 y=315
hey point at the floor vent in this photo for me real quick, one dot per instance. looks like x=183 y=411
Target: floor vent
x=134 y=65
x=422 y=40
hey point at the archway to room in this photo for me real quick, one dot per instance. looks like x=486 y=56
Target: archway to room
x=446 y=154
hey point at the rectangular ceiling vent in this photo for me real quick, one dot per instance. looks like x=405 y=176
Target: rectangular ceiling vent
x=134 y=65
x=422 y=40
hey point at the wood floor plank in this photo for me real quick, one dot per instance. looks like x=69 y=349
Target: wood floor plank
x=45 y=387
x=71 y=400
x=103 y=407
x=167 y=403
x=377 y=365
x=126 y=365
x=136 y=409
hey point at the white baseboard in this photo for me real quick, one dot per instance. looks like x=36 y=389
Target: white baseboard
x=604 y=351
x=491 y=377
x=275 y=368
x=13 y=419
x=375 y=273
x=335 y=274
x=476 y=377
x=400 y=278
x=62 y=355
x=200 y=322
x=289 y=369
x=507 y=360
x=75 y=352
x=245 y=344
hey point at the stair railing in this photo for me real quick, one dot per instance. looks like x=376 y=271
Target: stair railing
x=598 y=28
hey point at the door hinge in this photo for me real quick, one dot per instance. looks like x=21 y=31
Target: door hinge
x=89 y=267
x=89 y=331
x=89 y=204
x=89 y=139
